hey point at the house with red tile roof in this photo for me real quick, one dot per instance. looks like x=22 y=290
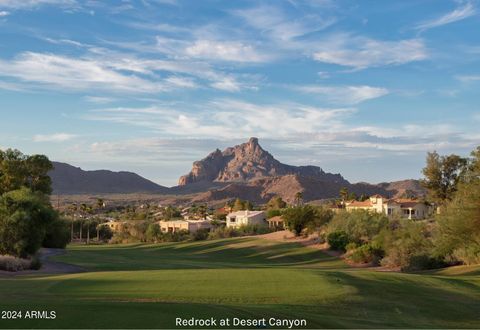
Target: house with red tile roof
x=404 y=207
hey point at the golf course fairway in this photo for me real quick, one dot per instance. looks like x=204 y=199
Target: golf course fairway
x=149 y=286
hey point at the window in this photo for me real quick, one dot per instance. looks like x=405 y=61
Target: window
x=390 y=211
x=232 y=219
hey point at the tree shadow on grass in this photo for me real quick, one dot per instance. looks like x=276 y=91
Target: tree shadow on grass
x=225 y=253
x=412 y=301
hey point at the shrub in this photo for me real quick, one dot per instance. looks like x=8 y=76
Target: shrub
x=469 y=255
x=408 y=247
x=14 y=264
x=200 y=235
x=153 y=233
x=360 y=226
x=338 y=240
x=369 y=253
x=57 y=234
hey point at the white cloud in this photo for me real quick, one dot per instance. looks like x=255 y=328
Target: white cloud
x=224 y=51
x=456 y=15
x=468 y=78
x=4 y=13
x=74 y=74
x=271 y=21
x=99 y=99
x=29 y=4
x=226 y=118
x=57 y=137
x=361 y=52
x=345 y=94
x=182 y=82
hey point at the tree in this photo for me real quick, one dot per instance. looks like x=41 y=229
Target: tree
x=442 y=175
x=57 y=234
x=239 y=205
x=458 y=234
x=276 y=203
x=24 y=219
x=18 y=170
x=299 y=198
x=298 y=217
x=343 y=194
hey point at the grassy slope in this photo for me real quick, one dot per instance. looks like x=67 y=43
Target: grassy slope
x=149 y=285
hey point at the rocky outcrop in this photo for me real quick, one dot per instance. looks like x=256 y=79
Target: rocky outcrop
x=246 y=162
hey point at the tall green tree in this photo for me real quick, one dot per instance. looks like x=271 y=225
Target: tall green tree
x=297 y=218
x=18 y=170
x=442 y=175
x=25 y=217
x=458 y=234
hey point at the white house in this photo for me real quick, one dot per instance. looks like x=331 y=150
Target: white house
x=406 y=208
x=241 y=218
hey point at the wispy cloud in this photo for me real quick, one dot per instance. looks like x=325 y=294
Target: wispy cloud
x=224 y=51
x=361 y=52
x=4 y=13
x=227 y=118
x=29 y=4
x=99 y=99
x=57 y=137
x=347 y=95
x=460 y=13
x=468 y=78
x=74 y=74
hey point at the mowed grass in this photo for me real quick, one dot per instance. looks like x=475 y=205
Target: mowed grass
x=148 y=286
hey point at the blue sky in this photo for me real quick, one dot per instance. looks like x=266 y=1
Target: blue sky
x=364 y=88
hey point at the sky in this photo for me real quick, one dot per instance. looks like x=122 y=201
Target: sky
x=362 y=88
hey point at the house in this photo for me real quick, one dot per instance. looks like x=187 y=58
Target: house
x=191 y=226
x=404 y=207
x=116 y=226
x=276 y=222
x=242 y=218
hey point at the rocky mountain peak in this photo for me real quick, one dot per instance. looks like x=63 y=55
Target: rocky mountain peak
x=246 y=162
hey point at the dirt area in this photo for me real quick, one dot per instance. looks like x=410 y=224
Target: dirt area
x=48 y=266
x=310 y=241
x=313 y=242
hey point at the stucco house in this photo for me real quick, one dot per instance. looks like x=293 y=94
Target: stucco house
x=242 y=218
x=276 y=222
x=404 y=207
x=187 y=225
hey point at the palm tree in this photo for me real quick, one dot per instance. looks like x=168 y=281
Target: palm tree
x=344 y=194
x=299 y=198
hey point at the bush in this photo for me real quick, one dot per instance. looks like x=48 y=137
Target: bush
x=223 y=232
x=369 y=253
x=57 y=234
x=24 y=218
x=338 y=240
x=14 y=264
x=359 y=225
x=467 y=255
x=408 y=247
x=200 y=235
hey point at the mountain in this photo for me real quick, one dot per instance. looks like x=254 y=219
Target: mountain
x=67 y=179
x=246 y=162
x=404 y=188
x=247 y=171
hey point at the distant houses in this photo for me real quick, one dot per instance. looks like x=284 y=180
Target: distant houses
x=242 y=218
x=403 y=207
x=191 y=226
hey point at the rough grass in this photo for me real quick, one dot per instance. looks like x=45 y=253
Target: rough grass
x=147 y=286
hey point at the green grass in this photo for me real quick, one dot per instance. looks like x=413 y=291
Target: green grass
x=147 y=286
